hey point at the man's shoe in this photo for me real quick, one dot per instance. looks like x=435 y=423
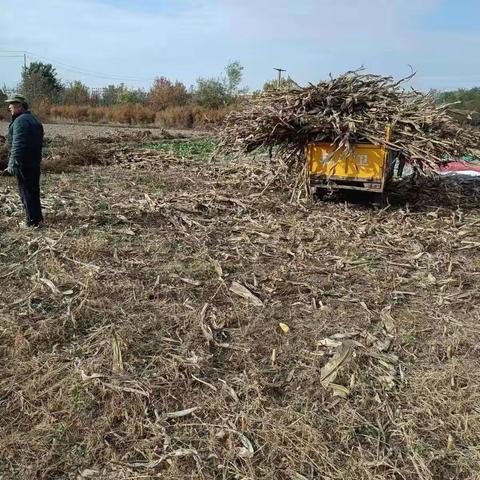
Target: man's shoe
x=35 y=225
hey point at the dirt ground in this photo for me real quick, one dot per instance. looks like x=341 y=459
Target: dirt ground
x=78 y=131
x=179 y=318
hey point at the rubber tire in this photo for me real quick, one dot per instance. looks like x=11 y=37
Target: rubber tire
x=319 y=193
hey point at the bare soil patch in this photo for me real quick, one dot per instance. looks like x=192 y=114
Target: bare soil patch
x=81 y=131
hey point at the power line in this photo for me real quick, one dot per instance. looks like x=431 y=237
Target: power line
x=73 y=69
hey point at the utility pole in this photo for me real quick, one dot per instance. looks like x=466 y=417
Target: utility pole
x=24 y=62
x=279 y=70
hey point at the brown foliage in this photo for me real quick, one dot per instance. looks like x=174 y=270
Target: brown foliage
x=186 y=116
x=77 y=94
x=126 y=114
x=191 y=116
x=164 y=94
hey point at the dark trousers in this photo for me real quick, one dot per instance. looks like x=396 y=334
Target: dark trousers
x=392 y=161
x=29 y=189
x=401 y=166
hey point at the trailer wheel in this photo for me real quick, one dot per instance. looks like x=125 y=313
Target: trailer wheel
x=320 y=193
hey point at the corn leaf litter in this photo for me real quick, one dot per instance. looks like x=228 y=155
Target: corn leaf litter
x=245 y=293
x=342 y=355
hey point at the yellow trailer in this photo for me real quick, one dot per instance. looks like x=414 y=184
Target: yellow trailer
x=366 y=168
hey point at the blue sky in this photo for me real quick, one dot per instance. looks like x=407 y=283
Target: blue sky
x=107 y=41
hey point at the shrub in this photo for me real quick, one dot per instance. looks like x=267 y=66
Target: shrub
x=164 y=94
x=187 y=116
x=130 y=114
x=191 y=117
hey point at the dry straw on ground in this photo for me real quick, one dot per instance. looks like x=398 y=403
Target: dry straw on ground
x=64 y=154
x=184 y=321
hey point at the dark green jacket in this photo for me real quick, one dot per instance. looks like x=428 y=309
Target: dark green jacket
x=26 y=141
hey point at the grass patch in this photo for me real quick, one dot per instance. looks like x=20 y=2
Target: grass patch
x=200 y=149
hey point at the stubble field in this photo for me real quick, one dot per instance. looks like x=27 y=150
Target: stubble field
x=178 y=317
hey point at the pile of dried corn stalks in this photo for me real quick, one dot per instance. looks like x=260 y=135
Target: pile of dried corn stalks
x=351 y=108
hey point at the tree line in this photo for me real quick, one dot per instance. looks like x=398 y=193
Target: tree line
x=468 y=99
x=40 y=83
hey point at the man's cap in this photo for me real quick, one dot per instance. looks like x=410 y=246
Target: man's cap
x=16 y=99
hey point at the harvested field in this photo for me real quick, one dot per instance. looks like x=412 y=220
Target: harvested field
x=80 y=131
x=178 y=318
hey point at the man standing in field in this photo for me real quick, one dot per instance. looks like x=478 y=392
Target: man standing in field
x=26 y=141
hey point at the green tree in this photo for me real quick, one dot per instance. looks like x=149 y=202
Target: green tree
x=211 y=93
x=469 y=99
x=131 y=96
x=76 y=93
x=111 y=94
x=234 y=73
x=221 y=91
x=40 y=82
x=466 y=108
